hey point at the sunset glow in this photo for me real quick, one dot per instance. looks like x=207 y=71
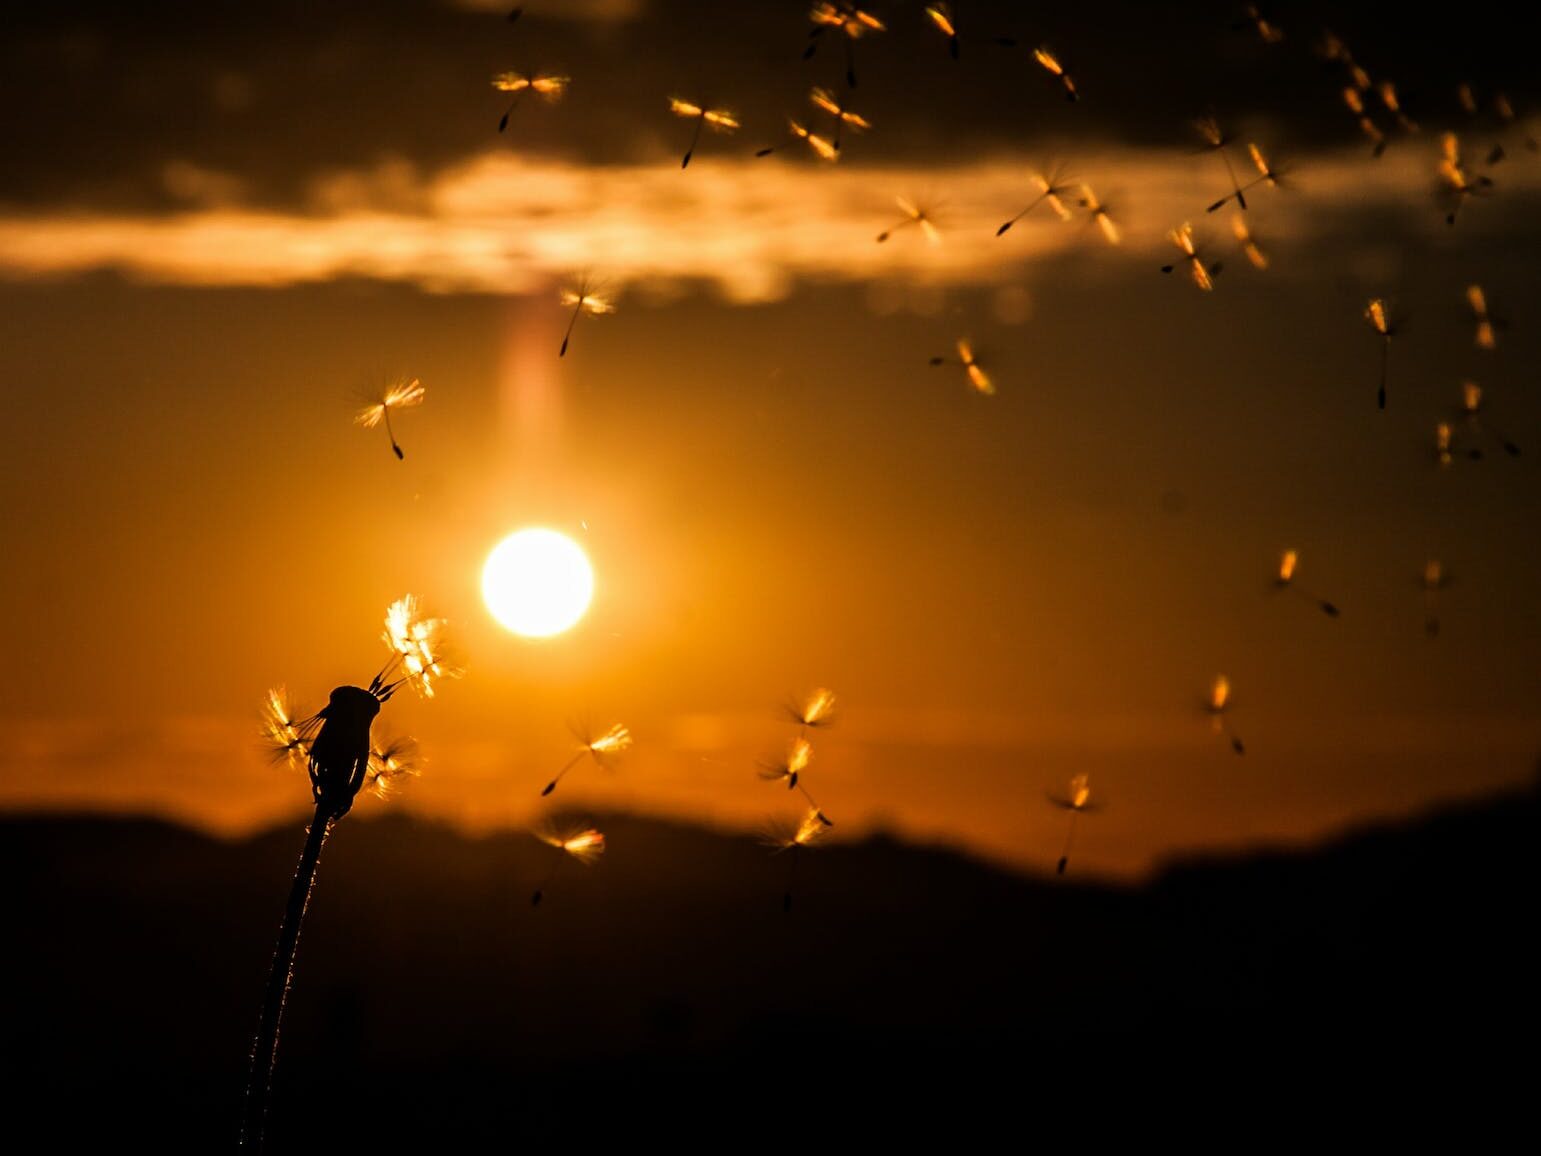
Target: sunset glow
x=537 y=583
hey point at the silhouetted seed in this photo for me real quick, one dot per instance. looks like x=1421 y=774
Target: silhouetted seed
x=544 y=86
x=587 y=298
x=399 y=395
x=1050 y=190
x=1077 y=799
x=1378 y=315
x=719 y=119
x=1217 y=141
x=603 y=750
x=581 y=843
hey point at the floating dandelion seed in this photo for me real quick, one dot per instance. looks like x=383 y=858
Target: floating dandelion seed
x=797 y=758
x=1270 y=175
x=339 y=754
x=852 y=21
x=843 y=116
x=913 y=215
x=544 y=86
x=397 y=395
x=1367 y=125
x=1467 y=98
x=1099 y=213
x=793 y=839
x=817 y=710
x=1051 y=190
x=1285 y=580
x=603 y=750
x=1455 y=185
x=583 y=844
x=1486 y=336
x=940 y=15
x=721 y=120
x=1471 y=409
x=1442 y=444
x=1045 y=56
x=1381 y=320
x=822 y=147
x=1331 y=47
x=1387 y=91
x=978 y=380
x=416 y=642
x=1434 y=580
x=1249 y=246
x=1215 y=140
x=1219 y=703
x=586 y=298
x=1076 y=800
x=1202 y=275
x=789 y=769
x=1267 y=30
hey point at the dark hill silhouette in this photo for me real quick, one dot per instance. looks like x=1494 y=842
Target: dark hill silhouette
x=664 y=992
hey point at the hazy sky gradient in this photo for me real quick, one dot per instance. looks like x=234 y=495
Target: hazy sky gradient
x=778 y=491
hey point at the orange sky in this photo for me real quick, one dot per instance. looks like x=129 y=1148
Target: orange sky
x=776 y=490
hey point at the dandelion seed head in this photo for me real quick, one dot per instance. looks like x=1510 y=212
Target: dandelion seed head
x=287 y=739
x=402 y=394
x=1080 y=791
x=941 y=16
x=391 y=762
x=818 y=709
x=1375 y=314
x=612 y=742
x=1287 y=566
x=1471 y=397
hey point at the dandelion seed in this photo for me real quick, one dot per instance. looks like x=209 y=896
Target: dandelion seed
x=913 y=215
x=1471 y=409
x=1267 y=30
x=586 y=298
x=1045 y=56
x=286 y=735
x=1381 y=320
x=1486 y=336
x=1285 y=580
x=1203 y=276
x=1249 y=246
x=1219 y=703
x=1270 y=175
x=851 y=21
x=1051 y=190
x=544 y=86
x=583 y=844
x=842 y=115
x=1434 y=580
x=719 y=119
x=603 y=750
x=1442 y=444
x=1099 y=213
x=978 y=380
x=1216 y=140
x=940 y=16
x=389 y=763
x=1388 y=97
x=797 y=758
x=416 y=642
x=807 y=832
x=1367 y=125
x=817 y=710
x=397 y=395
x=1456 y=185
x=822 y=147
x=1076 y=800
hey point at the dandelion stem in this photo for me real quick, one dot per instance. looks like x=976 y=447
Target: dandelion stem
x=265 y=1047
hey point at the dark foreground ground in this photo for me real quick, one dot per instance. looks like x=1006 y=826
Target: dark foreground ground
x=1364 y=987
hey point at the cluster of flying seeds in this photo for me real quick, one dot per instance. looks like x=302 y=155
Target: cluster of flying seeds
x=581 y=842
x=810 y=714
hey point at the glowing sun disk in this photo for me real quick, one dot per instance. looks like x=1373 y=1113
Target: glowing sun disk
x=537 y=582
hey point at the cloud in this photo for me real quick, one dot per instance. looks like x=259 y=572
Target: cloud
x=752 y=229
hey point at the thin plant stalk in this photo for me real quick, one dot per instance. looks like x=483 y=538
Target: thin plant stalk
x=265 y=1048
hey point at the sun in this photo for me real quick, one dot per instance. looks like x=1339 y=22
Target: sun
x=537 y=582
